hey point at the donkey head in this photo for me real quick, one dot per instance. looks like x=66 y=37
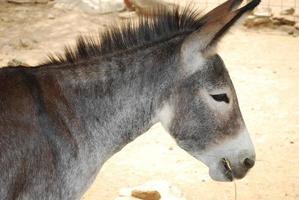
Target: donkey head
x=202 y=112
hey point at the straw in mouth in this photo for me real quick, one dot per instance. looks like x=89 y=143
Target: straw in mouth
x=228 y=172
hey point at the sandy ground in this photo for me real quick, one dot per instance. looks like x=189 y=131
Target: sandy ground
x=264 y=68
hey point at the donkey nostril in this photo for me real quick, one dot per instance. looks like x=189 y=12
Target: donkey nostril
x=248 y=163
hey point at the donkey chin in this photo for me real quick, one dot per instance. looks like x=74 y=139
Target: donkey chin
x=231 y=159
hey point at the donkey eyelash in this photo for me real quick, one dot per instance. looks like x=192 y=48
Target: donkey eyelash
x=220 y=97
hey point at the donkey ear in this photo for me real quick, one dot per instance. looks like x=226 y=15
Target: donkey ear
x=216 y=23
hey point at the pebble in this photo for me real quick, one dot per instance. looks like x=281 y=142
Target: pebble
x=24 y=43
x=92 y=6
x=283 y=21
x=127 y=15
x=152 y=190
x=16 y=62
x=296 y=33
x=50 y=16
x=263 y=12
x=147 y=6
x=253 y=21
x=288 y=11
x=146 y=195
x=288 y=29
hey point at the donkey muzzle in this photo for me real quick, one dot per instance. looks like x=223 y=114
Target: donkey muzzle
x=231 y=159
x=235 y=171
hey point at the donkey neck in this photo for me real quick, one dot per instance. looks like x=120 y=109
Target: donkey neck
x=118 y=96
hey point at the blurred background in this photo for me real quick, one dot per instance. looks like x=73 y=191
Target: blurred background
x=261 y=54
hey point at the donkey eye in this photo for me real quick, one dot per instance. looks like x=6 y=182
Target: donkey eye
x=220 y=97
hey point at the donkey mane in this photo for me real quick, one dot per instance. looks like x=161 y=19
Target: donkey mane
x=162 y=25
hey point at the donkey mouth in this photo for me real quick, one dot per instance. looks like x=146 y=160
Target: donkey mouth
x=231 y=172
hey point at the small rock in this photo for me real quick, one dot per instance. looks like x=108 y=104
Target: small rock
x=288 y=29
x=24 y=43
x=50 y=16
x=15 y=62
x=127 y=15
x=291 y=142
x=288 y=11
x=92 y=6
x=146 y=4
x=253 y=21
x=146 y=195
x=296 y=33
x=147 y=7
x=263 y=12
x=296 y=26
x=290 y=21
x=153 y=190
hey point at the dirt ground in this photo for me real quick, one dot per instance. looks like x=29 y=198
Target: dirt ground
x=264 y=67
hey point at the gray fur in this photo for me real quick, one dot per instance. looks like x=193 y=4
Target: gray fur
x=59 y=123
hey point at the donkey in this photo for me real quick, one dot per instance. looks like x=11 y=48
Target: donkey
x=61 y=120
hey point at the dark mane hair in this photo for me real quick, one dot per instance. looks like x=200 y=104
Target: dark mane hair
x=162 y=25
